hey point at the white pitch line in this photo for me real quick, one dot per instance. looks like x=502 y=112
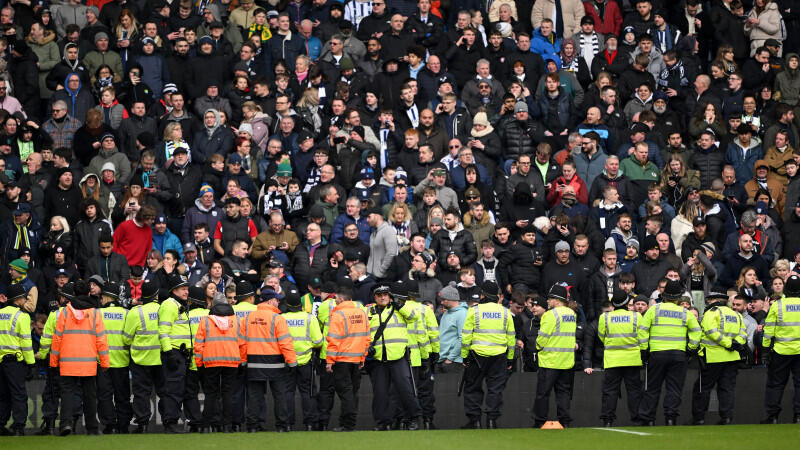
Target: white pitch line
x=638 y=433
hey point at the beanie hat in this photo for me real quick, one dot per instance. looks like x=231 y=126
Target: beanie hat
x=204 y=189
x=108 y=166
x=450 y=292
x=246 y=128
x=284 y=168
x=19 y=265
x=426 y=257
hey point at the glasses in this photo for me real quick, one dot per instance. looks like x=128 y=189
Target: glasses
x=466 y=154
x=58 y=110
x=454 y=146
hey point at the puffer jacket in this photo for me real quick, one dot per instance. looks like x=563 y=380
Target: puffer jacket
x=304 y=267
x=463 y=244
x=769 y=27
x=520 y=138
x=47 y=52
x=86 y=234
x=198 y=214
x=709 y=163
x=120 y=161
x=523 y=271
x=744 y=165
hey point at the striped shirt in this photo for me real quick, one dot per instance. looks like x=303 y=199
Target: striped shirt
x=357 y=10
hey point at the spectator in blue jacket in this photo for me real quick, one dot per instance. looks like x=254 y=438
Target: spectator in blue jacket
x=450 y=326
x=545 y=43
x=312 y=43
x=163 y=239
x=743 y=152
x=351 y=215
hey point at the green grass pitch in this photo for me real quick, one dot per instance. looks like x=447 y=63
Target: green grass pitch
x=705 y=437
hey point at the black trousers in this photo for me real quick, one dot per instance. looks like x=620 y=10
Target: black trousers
x=51 y=395
x=777 y=377
x=239 y=396
x=346 y=381
x=612 y=385
x=396 y=375
x=218 y=388
x=666 y=367
x=13 y=396
x=174 y=389
x=560 y=381
x=144 y=379
x=723 y=376
x=191 y=402
x=489 y=369
x=257 y=389
x=325 y=394
x=114 y=397
x=427 y=401
x=87 y=386
x=300 y=379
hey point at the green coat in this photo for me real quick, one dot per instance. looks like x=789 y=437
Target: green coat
x=47 y=52
x=634 y=170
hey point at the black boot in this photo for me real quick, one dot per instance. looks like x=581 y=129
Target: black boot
x=608 y=423
x=771 y=420
x=172 y=428
x=48 y=428
x=140 y=428
x=491 y=424
x=796 y=418
x=412 y=425
x=308 y=427
x=109 y=429
x=92 y=432
x=427 y=423
x=123 y=429
x=66 y=429
x=5 y=431
x=698 y=422
x=725 y=421
x=19 y=431
x=472 y=425
x=670 y=422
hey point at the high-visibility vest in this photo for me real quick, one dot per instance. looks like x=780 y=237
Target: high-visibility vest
x=267 y=340
x=114 y=322
x=15 y=334
x=78 y=342
x=47 y=333
x=324 y=316
x=306 y=334
x=195 y=316
x=556 y=340
x=141 y=334
x=619 y=332
x=173 y=326
x=783 y=326
x=243 y=310
x=419 y=344
x=721 y=326
x=348 y=334
x=395 y=340
x=215 y=347
x=667 y=327
x=488 y=330
x=431 y=328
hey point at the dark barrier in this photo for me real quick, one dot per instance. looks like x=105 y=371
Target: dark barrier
x=519 y=396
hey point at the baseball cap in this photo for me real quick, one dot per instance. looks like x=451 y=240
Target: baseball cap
x=189 y=247
x=161 y=219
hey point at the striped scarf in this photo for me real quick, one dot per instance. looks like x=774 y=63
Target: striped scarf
x=582 y=40
x=22 y=240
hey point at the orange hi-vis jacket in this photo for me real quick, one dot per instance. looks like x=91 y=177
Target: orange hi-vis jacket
x=78 y=341
x=217 y=343
x=268 y=344
x=348 y=334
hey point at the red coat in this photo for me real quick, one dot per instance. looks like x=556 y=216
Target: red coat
x=612 y=20
x=581 y=192
x=133 y=242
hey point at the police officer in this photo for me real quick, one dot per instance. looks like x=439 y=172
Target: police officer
x=669 y=330
x=487 y=349
x=176 y=352
x=429 y=325
x=618 y=330
x=306 y=337
x=724 y=335
x=556 y=347
x=52 y=387
x=113 y=385
x=245 y=304
x=388 y=320
x=270 y=351
x=196 y=302
x=141 y=335
x=782 y=340
x=16 y=353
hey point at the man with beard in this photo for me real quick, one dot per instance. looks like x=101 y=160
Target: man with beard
x=63 y=198
x=612 y=176
x=453 y=237
x=610 y=60
x=423 y=273
x=432 y=135
x=402 y=262
x=563 y=271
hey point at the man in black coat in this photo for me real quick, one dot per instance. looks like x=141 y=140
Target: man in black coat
x=524 y=271
x=453 y=237
x=651 y=268
x=562 y=269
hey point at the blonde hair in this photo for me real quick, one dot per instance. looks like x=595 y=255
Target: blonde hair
x=65 y=224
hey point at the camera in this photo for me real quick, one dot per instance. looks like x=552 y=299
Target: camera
x=339 y=140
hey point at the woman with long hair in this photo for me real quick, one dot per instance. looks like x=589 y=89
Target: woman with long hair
x=707 y=116
x=153 y=262
x=58 y=236
x=699 y=275
x=435 y=222
x=749 y=284
x=171 y=139
x=682 y=225
x=253 y=114
x=127 y=33
x=308 y=108
x=216 y=275
x=676 y=178
x=133 y=199
x=725 y=56
x=400 y=218
x=763 y=22
x=239 y=93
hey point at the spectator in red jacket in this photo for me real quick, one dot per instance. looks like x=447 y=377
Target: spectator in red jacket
x=133 y=239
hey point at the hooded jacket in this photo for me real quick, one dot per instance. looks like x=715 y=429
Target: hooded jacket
x=79 y=102
x=210 y=140
x=788 y=82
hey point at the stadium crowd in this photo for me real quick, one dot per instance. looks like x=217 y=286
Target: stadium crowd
x=222 y=153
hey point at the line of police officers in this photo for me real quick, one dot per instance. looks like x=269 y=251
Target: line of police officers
x=236 y=353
